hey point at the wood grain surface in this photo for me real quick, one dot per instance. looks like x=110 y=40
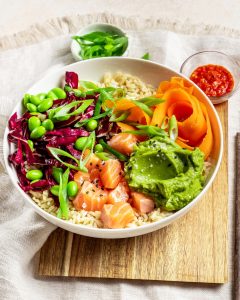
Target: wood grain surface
x=237 y=225
x=193 y=249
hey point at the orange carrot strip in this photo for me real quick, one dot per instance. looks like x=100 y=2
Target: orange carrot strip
x=194 y=126
x=207 y=142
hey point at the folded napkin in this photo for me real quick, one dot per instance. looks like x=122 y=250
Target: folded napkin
x=23 y=232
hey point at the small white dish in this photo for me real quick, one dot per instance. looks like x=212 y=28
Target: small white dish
x=103 y=27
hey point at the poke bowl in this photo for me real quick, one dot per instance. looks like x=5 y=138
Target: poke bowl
x=122 y=147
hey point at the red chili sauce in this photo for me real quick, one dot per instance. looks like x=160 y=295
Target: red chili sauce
x=214 y=80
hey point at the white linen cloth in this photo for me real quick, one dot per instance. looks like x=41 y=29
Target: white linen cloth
x=23 y=232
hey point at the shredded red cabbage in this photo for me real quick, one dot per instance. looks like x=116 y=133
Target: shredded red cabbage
x=71 y=79
x=63 y=136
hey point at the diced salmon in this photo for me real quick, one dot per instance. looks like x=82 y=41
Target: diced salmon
x=119 y=194
x=123 y=142
x=93 y=162
x=142 y=203
x=117 y=215
x=110 y=173
x=95 y=177
x=90 y=197
x=80 y=177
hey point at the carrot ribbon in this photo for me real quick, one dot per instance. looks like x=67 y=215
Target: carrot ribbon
x=194 y=127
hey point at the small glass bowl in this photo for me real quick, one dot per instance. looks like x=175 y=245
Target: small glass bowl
x=215 y=58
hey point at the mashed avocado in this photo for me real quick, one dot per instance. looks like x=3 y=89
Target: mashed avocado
x=172 y=176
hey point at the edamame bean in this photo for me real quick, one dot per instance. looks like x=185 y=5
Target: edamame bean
x=72 y=189
x=34 y=174
x=31 y=107
x=92 y=125
x=26 y=99
x=42 y=96
x=98 y=148
x=30 y=144
x=35 y=100
x=37 y=132
x=80 y=143
x=60 y=93
x=45 y=105
x=57 y=173
x=55 y=190
x=48 y=124
x=63 y=118
x=33 y=123
x=52 y=95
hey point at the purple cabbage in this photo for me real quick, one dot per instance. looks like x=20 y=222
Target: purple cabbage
x=71 y=79
x=63 y=136
x=106 y=128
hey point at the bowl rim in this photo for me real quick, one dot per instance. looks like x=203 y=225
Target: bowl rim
x=215 y=100
x=77 y=56
x=125 y=231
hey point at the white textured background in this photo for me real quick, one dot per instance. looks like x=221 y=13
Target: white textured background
x=16 y=15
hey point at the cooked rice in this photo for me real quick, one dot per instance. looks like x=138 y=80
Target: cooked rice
x=92 y=218
x=134 y=89
x=133 y=86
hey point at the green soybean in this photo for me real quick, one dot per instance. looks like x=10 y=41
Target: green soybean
x=55 y=190
x=52 y=95
x=26 y=99
x=60 y=93
x=35 y=100
x=98 y=148
x=63 y=118
x=80 y=143
x=92 y=125
x=45 y=105
x=30 y=144
x=48 y=124
x=42 y=96
x=33 y=123
x=31 y=107
x=57 y=172
x=72 y=188
x=37 y=132
x=34 y=174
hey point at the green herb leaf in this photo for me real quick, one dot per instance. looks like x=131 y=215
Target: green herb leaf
x=104 y=95
x=64 y=111
x=83 y=161
x=146 y=56
x=150 y=101
x=119 y=116
x=63 y=199
x=147 y=130
x=56 y=152
x=102 y=115
x=143 y=107
x=173 y=128
x=100 y=44
x=103 y=155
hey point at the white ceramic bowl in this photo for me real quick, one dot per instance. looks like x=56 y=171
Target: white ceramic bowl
x=149 y=72
x=103 y=27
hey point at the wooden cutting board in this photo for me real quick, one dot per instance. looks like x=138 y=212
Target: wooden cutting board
x=192 y=249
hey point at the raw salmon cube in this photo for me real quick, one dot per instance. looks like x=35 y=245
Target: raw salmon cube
x=111 y=173
x=117 y=215
x=123 y=142
x=142 y=203
x=90 y=197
